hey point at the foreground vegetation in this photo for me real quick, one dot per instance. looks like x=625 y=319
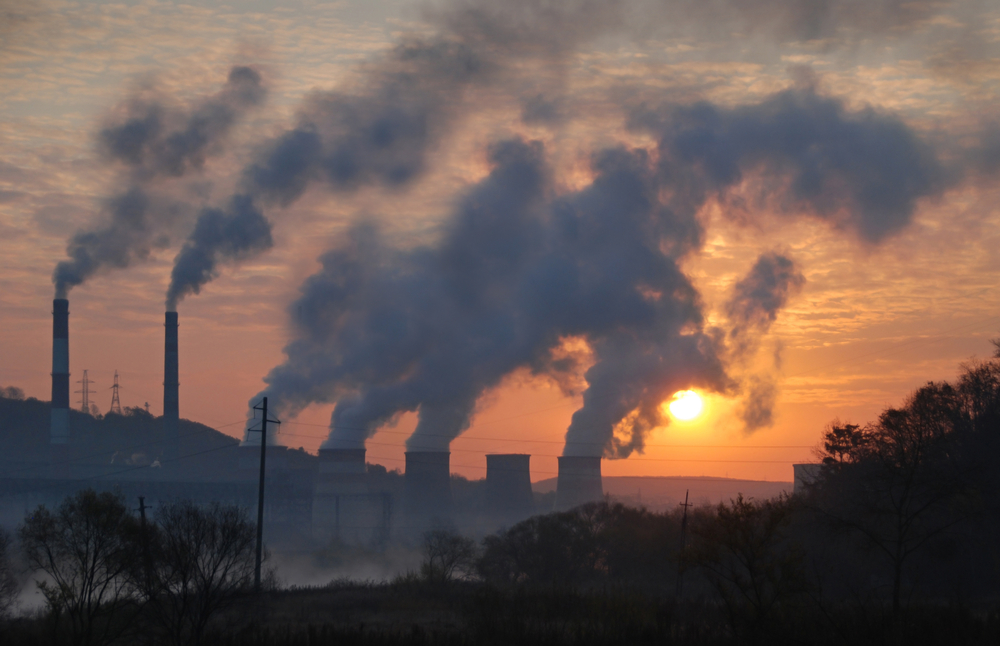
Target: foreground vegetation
x=895 y=542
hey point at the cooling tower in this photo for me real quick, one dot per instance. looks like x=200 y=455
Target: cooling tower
x=579 y=481
x=343 y=506
x=508 y=486
x=171 y=387
x=59 y=419
x=428 y=488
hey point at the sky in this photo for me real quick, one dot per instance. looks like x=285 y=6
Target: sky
x=790 y=207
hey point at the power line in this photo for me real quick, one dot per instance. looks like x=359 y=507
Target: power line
x=510 y=439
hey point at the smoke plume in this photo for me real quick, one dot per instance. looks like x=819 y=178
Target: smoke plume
x=752 y=308
x=150 y=142
x=758 y=297
x=219 y=236
x=863 y=171
x=381 y=330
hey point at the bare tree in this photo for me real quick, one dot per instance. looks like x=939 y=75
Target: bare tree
x=87 y=547
x=204 y=560
x=895 y=487
x=749 y=562
x=8 y=578
x=445 y=554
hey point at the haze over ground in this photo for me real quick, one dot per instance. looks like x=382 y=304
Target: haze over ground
x=883 y=307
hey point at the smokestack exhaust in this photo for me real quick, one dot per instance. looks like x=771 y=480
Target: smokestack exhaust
x=171 y=388
x=59 y=418
x=428 y=487
x=508 y=486
x=579 y=481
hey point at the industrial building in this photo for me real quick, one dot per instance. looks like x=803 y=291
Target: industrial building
x=333 y=496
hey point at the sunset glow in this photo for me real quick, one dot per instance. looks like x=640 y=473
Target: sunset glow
x=798 y=214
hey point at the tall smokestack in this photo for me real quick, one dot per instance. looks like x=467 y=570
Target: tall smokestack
x=579 y=481
x=59 y=420
x=508 y=486
x=171 y=387
x=428 y=487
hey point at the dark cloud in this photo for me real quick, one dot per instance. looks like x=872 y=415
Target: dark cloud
x=830 y=22
x=219 y=236
x=863 y=170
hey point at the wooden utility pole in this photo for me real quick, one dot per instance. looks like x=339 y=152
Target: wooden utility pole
x=680 y=555
x=146 y=563
x=260 y=491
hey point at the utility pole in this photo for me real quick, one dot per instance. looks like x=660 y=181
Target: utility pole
x=260 y=491
x=680 y=555
x=147 y=565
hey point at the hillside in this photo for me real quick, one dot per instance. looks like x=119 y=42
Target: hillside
x=125 y=446
x=666 y=492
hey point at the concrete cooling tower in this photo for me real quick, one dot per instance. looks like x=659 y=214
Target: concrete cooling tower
x=344 y=507
x=508 y=487
x=579 y=481
x=428 y=488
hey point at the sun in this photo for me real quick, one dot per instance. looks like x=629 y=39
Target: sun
x=686 y=405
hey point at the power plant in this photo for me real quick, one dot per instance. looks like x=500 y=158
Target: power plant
x=335 y=496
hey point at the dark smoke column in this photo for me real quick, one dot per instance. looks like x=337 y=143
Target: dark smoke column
x=171 y=387
x=59 y=421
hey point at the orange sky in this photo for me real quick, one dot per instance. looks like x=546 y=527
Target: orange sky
x=872 y=322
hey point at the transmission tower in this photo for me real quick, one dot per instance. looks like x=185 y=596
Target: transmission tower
x=84 y=393
x=116 y=406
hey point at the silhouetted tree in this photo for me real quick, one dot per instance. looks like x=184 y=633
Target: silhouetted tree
x=11 y=392
x=747 y=558
x=898 y=487
x=559 y=548
x=447 y=553
x=87 y=547
x=204 y=559
x=8 y=576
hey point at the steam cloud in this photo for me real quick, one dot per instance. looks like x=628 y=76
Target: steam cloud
x=383 y=330
x=151 y=142
x=754 y=305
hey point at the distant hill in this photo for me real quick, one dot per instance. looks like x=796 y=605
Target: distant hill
x=126 y=446
x=666 y=492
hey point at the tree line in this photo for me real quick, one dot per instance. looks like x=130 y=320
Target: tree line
x=107 y=575
x=894 y=541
